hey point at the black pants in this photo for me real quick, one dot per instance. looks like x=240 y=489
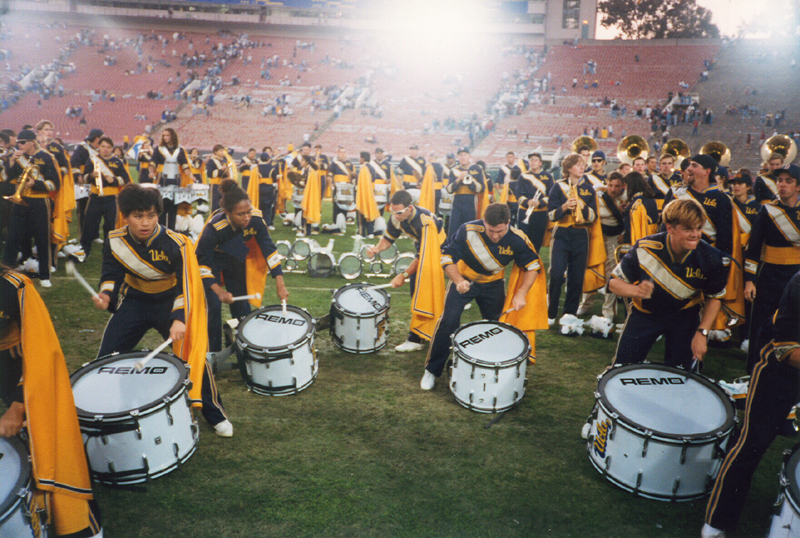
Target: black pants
x=569 y=252
x=266 y=202
x=99 y=207
x=365 y=227
x=235 y=282
x=412 y=284
x=167 y=217
x=535 y=228
x=772 y=280
x=463 y=211
x=24 y=221
x=80 y=206
x=490 y=298
x=642 y=330
x=133 y=318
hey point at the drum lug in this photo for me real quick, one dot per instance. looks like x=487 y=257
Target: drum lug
x=494 y=404
x=647 y=435
x=195 y=427
x=294 y=385
x=104 y=439
x=638 y=483
x=613 y=429
x=472 y=373
x=496 y=376
x=146 y=466
x=138 y=433
x=176 y=450
x=684 y=449
x=718 y=452
x=676 y=486
x=111 y=468
x=170 y=420
x=607 y=466
x=518 y=372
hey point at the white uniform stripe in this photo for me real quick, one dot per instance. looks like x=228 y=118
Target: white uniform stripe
x=784 y=224
x=481 y=252
x=708 y=226
x=133 y=262
x=663 y=276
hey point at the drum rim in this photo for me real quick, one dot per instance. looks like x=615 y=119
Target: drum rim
x=319 y=274
x=173 y=394
x=264 y=391
x=350 y=255
x=391 y=258
x=288 y=347
x=403 y=256
x=8 y=505
x=509 y=362
x=297 y=257
x=791 y=489
x=602 y=400
x=339 y=308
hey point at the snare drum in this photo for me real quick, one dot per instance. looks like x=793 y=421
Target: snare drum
x=321 y=264
x=276 y=351
x=199 y=192
x=360 y=318
x=786 y=521
x=489 y=363
x=345 y=197
x=382 y=193
x=82 y=191
x=135 y=425
x=415 y=194
x=660 y=432
x=297 y=196
x=284 y=248
x=20 y=513
x=167 y=191
x=445 y=202
x=183 y=195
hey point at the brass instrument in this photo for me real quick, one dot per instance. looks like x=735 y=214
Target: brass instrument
x=718 y=151
x=678 y=149
x=578 y=208
x=583 y=141
x=98 y=181
x=31 y=172
x=632 y=147
x=779 y=144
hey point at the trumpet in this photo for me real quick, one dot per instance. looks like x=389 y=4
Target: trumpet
x=578 y=208
x=31 y=172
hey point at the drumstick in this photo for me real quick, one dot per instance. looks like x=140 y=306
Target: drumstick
x=247 y=297
x=283 y=306
x=378 y=286
x=141 y=364
x=71 y=271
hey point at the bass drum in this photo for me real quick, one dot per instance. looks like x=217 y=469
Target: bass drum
x=360 y=318
x=135 y=425
x=660 y=432
x=20 y=513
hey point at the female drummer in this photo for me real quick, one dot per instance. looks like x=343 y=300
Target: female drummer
x=42 y=398
x=232 y=249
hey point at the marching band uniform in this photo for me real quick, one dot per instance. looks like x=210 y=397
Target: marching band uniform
x=172 y=165
x=227 y=254
x=36 y=215
x=33 y=374
x=765 y=188
x=773 y=392
x=80 y=156
x=385 y=176
x=673 y=310
x=323 y=164
x=529 y=187
x=641 y=219
x=150 y=285
x=216 y=171
x=772 y=258
x=114 y=177
x=598 y=181
x=483 y=263
x=196 y=169
x=746 y=214
x=246 y=169
x=144 y=159
x=661 y=187
x=366 y=208
x=264 y=194
x=569 y=247
x=465 y=195
x=341 y=172
x=413 y=170
x=432 y=182
x=64 y=203
x=508 y=185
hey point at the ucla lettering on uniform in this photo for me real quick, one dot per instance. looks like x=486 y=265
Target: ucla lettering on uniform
x=653 y=381
x=505 y=251
x=601 y=438
x=710 y=202
x=694 y=273
x=247 y=232
x=159 y=256
x=480 y=337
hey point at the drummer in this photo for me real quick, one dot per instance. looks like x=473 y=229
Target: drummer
x=150 y=280
x=411 y=220
x=225 y=252
x=670 y=276
x=474 y=259
x=59 y=461
x=772 y=394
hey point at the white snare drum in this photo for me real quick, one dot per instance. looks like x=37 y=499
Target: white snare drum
x=786 y=522
x=199 y=192
x=345 y=196
x=20 y=516
x=321 y=264
x=82 y=191
x=386 y=256
x=445 y=202
x=415 y=194
x=660 y=432
x=168 y=191
x=183 y=195
x=303 y=247
x=135 y=425
x=276 y=351
x=297 y=196
x=382 y=193
x=489 y=364
x=360 y=318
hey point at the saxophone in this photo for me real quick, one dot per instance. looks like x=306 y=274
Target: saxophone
x=31 y=172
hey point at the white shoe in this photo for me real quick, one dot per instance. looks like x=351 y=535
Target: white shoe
x=407 y=346
x=98 y=241
x=99 y=534
x=61 y=254
x=371 y=236
x=427 y=381
x=710 y=532
x=271 y=227
x=224 y=429
x=468 y=306
x=745 y=346
x=585 y=430
x=45 y=283
x=582 y=312
x=300 y=234
x=551 y=322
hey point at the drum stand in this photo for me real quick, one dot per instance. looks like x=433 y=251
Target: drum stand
x=219 y=359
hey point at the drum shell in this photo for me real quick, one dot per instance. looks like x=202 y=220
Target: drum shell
x=654 y=465
x=145 y=443
x=317 y=267
x=485 y=386
x=344 y=197
x=21 y=517
x=786 y=520
x=199 y=192
x=280 y=370
x=445 y=203
x=358 y=332
x=297 y=197
x=382 y=193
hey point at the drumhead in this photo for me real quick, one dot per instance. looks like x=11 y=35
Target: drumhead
x=111 y=386
x=301 y=249
x=268 y=328
x=358 y=300
x=350 y=265
x=491 y=343
x=321 y=265
x=403 y=262
x=791 y=472
x=15 y=470
x=284 y=248
x=389 y=255
x=669 y=402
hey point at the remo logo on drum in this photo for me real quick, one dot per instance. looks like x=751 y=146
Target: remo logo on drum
x=601 y=438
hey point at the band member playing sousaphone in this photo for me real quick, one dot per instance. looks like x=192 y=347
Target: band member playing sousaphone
x=170 y=167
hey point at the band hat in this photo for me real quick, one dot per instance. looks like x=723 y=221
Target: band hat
x=463 y=149
x=685 y=164
x=600 y=154
x=742 y=177
x=264 y=157
x=535 y=154
x=94 y=133
x=26 y=136
x=707 y=162
x=414 y=147
x=792 y=169
x=451 y=155
x=379 y=150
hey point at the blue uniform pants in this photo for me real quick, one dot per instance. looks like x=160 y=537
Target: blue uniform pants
x=234 y=278
x=266 y=196
x=24 y=221
x=569 y=252
x=772 y=280
x=463 y=211
x=99 y=207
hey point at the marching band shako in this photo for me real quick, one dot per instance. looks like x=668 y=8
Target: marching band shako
x=135 y=425
x=786 y=521
x=360 y=318
x=20 y=516
x=660 y=432
x=276 y=350
x=489 y=364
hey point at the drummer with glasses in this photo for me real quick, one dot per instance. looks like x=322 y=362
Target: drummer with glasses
x=42 y=401
x=676 y=281
x=475 y=259
x=407 y=218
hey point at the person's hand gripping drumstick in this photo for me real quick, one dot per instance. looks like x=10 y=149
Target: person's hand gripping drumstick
x=143 y=362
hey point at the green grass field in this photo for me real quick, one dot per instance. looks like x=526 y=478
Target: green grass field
x=364 y=452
